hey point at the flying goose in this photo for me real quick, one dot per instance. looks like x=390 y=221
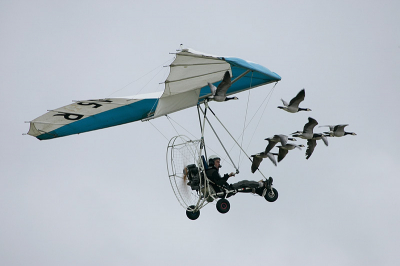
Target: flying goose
x=293 y=106
x=275 y=139
x=257 y=159
x=311 y=143
x=219 y=93
x=283 y=150
x=307 y=132
x=337 y=131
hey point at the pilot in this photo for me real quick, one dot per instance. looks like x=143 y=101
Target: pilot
x=214 y=163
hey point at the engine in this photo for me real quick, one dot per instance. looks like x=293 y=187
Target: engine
x=192 y=172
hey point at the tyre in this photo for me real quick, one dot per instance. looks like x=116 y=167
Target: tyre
x=192 y=215
x=223 y=205
x=271 y=195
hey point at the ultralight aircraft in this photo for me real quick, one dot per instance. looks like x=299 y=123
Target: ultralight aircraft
x=187 y=85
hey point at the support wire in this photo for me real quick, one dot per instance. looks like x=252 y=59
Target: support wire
x=245 y=117
x=237 y=170
x=159 y=131
x=208 y=121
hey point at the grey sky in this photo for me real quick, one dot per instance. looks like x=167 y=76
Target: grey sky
x=103 y=197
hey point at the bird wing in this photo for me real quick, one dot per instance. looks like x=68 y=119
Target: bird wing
x=339 y=128
x=212 y=88
x=282 y=154
x=324 y=139
x=298 y=99
x=270 y=145
x=330 y=127
x=224 y=85
x=256 y=163
x=272 y=158
x=282 y=138
x=309 y=127
x=284 y=102
x=311 y=143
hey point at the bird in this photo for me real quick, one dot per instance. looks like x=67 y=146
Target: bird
x=311 y=143
x=257 y=159
x=275 y=139
x=308 y=129
x=283 y=150
x=218 y=94
x=293 y=106
x=337 y=131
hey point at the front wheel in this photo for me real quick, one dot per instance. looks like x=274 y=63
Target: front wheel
x=223 y=205
x=271 y=195
x=191 y=214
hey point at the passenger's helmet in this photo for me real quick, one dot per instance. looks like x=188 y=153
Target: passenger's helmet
x=211 y=160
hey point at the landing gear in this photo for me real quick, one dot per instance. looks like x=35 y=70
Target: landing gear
x=191 y=214
x=223 y=205
x=271 y=195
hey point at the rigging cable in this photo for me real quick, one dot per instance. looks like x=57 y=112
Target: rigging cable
x=159 y=131
x=265 y=107
x=140 y=78
x=237 y=170
x=266 y=97
x=172 y=124
x=245 y=117
x=171 y=119
x=209 y=123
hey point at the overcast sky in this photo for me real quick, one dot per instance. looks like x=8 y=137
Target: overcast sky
x=104 y=198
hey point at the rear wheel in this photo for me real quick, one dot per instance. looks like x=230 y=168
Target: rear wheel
x=223 y=205
x=191 y=214
x=271 y=195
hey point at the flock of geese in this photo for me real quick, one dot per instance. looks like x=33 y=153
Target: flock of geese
x=219 y=94
x=307 y=133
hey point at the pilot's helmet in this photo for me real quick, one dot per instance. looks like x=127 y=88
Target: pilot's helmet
x=211 y=160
